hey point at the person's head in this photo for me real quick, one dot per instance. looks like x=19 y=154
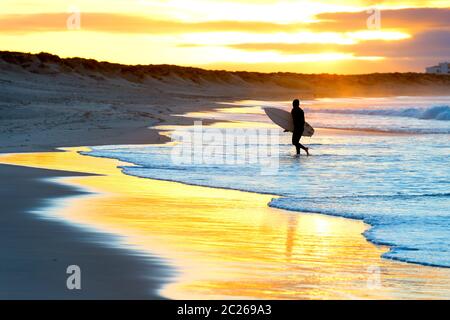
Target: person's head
x=296 y=103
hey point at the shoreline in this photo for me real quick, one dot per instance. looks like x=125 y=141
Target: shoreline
x=38 y=248
x=346 y=234
x=395 y=271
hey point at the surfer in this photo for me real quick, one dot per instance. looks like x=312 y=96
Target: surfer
x=298 y=116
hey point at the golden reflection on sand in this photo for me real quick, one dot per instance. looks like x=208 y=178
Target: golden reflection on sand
x=230 y=244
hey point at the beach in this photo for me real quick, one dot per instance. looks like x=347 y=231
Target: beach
x=222 y=243
x=37 y=249
x=87 y=180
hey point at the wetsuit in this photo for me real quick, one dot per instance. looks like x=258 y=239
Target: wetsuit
x=298 y=116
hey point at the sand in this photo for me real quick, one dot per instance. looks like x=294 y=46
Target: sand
x=48 y=102
x=43 y=111
x=133 y=236
x=230 y=244
x=37 y=249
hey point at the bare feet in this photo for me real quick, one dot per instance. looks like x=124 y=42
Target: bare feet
x=307 y=151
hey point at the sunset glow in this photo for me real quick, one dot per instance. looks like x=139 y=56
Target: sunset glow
x=201 y=228
x=265 y=35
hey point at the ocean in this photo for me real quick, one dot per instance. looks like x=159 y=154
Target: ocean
x=389 y=166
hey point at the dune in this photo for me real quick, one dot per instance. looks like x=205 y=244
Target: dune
x=47 y=101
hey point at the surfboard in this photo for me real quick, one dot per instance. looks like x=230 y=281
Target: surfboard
x=283 y=119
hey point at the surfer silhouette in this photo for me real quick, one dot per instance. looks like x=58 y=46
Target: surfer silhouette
x=298 y=116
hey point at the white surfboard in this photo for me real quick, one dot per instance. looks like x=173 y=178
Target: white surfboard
x=283 y=119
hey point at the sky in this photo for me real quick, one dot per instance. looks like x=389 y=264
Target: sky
x=306 y=36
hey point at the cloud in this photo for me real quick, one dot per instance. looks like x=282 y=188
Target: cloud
x=432 y=44
x=120 y=23
x=292 y=48
x=425 y=44
x=412 y=19
x=429 y=29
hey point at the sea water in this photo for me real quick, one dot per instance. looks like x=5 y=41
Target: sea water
x=395 y=175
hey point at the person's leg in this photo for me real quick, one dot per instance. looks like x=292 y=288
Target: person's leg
x=304 y=148
x=295 y=141
x=297 y=147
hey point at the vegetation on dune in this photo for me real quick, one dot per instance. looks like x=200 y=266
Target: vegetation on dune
x=315 y=84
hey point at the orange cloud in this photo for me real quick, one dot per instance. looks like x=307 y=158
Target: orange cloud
x=412 y=19
x=432 y=44
x=120 y=23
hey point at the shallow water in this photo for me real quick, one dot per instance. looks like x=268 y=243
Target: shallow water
x=398 y=183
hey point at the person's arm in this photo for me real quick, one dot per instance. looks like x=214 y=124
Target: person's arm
x=302 y=118
x=294 y=115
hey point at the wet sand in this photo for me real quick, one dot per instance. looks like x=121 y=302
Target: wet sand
x=37 y=249
x=230 y=244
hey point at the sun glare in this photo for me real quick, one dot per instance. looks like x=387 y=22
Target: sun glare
x=199 y=32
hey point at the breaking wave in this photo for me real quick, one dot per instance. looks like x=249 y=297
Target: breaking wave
x=431 y=113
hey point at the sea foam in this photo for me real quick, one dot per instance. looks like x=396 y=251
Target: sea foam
x=398 y=184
